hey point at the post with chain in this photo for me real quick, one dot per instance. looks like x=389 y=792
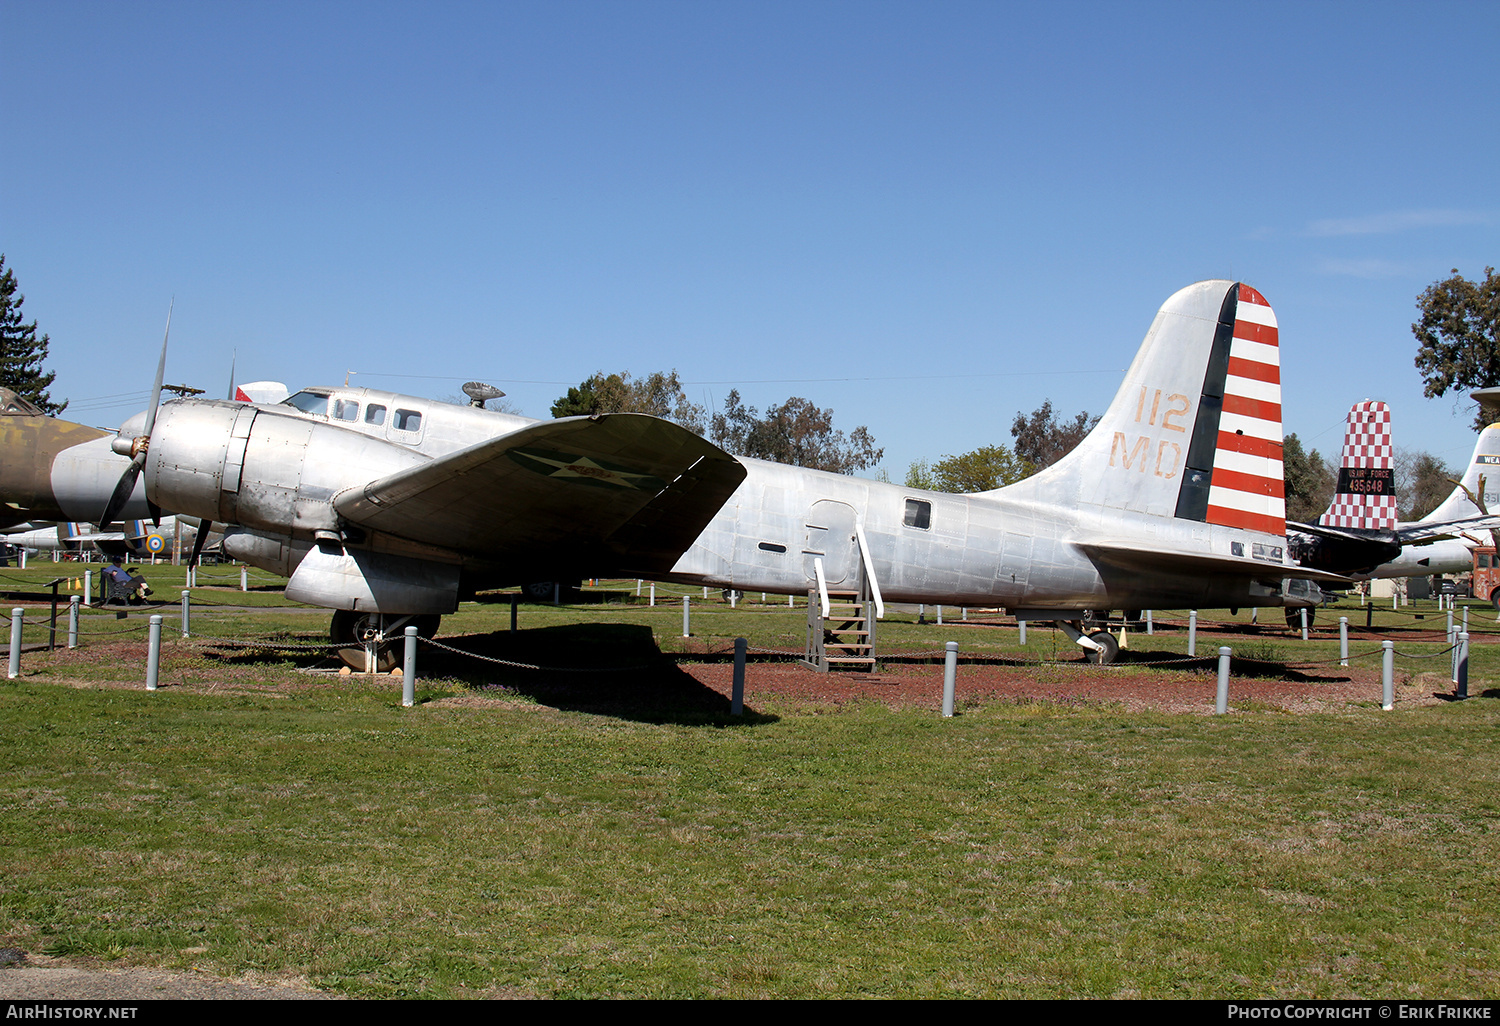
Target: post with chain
x=1221 y=701
x=73 y=603
x=15 y=643
x=950 y=676
x=409 y=670
x=737 y=693
x=1388 y=675
x=153 y=652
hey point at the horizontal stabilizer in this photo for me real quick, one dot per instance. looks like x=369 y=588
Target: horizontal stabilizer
x=1133 y=555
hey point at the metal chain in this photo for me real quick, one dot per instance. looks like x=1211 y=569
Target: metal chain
x=532 y=666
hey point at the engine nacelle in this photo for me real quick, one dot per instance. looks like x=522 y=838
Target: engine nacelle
x=262 y=469
x=274 y=553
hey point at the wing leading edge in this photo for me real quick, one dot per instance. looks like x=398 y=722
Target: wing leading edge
x=630 y=488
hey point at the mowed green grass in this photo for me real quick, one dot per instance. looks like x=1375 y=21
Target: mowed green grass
x=251 y=819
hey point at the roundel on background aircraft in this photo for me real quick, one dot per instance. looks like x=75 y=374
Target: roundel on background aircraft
x=156 y=543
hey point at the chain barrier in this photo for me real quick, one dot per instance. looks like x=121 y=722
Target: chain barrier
x=532 y=666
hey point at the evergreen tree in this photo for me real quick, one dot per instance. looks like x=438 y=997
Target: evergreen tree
x=21 y=352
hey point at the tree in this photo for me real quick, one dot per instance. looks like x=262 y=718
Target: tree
x=796 y=432
x=919 y=475
x=1459 y=334
x=1310 y=481
x=1042 y=440
x=658 y=394
x=1422 y=481
x=987 y=467
x=21 y=352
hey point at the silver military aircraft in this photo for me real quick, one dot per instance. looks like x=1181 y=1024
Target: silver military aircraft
x=1359 y=534
x=388 y=509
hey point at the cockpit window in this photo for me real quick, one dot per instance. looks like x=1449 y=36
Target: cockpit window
x=309 y=402
x=14 y=406
x=344 y=409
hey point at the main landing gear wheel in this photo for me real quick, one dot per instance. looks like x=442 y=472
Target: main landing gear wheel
x=351 y=630
x=1108 y=651
x=1294 y=617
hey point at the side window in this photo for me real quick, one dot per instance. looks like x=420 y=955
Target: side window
x=918 y=514
x=374 y=414
x=407 y=420
x=345 y=409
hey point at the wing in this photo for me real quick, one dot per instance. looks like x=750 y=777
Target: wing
x=1421 y=533
x=629 y=488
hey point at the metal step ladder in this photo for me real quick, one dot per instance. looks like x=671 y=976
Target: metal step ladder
x=841 y=625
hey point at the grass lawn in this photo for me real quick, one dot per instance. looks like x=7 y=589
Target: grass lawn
x=249 y=818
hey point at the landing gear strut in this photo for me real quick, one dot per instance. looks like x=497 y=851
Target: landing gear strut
x=1294 y=617
x=1098 y=647
x=357 y=634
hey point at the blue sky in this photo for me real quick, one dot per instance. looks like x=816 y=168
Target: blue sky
x=926 y=216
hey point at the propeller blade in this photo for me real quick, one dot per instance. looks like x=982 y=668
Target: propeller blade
x=204 y=527
x=161 y=371
x=121 y=495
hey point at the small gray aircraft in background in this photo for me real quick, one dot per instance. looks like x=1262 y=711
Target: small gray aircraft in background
x=389 y=509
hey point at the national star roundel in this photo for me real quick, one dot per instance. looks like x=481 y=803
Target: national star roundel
x=584 y=470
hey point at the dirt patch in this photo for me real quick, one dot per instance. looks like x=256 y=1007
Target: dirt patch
x=1127 y=686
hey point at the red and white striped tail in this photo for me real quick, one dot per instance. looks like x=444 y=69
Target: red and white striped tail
x=1248 y=488
x=1366 y=492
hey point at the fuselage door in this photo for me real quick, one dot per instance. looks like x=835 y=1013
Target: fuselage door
x=830 y=536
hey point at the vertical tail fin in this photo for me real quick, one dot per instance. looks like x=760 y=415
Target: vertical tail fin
x=1366 y=492
x=1195 y=431
x=1483 y=464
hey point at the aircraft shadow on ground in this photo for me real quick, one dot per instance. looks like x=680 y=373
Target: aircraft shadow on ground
x=611 y=669
x=608 y=669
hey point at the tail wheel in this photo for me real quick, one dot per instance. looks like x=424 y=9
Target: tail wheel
x=1108 y=651
x=352 y=631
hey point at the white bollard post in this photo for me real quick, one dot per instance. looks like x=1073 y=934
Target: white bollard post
x=789 y=601
x=1221 y=704
x=409 y=670
x=1193 y=632
x=1150 y=627
x=153 y=652
x=653 y=593
x=733 y=597
x=88 y=587
x=1388 y=675
x=244 y=579
x=15 y=643
x=1023 y=630
x=950 y=676
x=940 y=616
x=685 y=632
x=73 y=601
x=186 y=603
x=1343 y=641
x=1304 y=623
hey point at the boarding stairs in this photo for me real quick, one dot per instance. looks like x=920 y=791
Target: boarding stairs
x=841 y=623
